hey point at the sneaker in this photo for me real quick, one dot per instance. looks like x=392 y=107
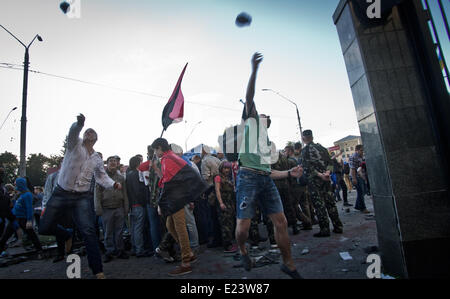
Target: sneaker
x=346 y=204
x=295 y=230
x=100 y=275
x=193 y=259
x=246 y=262
x=274 y=248
x=322 y=234
x=164 y=255
x=292 y=273
x=231 y=249
x=180 y=270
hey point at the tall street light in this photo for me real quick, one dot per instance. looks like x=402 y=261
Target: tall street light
x=23 y=120
x=185 y=141
x=298 y=114
x=7 y=116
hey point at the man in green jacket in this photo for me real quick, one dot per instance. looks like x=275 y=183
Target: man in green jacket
x=112 y=206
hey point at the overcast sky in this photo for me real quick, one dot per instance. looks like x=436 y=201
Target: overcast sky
x=136 y=51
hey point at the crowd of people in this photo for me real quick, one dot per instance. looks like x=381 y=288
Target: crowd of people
x=170 y=204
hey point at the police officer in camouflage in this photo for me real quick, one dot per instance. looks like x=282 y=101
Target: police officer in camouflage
x=299 y=193
x=283 y=186
x=317 y=165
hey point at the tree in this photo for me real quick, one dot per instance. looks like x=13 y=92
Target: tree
x=37 y=165
x=63 y=150
x=11 y=165
x=54 y=161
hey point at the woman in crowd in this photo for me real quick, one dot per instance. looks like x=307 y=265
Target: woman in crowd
x=227 y=205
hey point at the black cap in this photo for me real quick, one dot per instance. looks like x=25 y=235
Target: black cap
x=307 y=133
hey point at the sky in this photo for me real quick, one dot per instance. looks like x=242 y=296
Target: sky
x=129 y=55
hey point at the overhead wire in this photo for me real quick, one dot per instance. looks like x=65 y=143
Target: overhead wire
x=20 y=68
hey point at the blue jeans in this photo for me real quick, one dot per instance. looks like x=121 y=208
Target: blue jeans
x=191 y=227
x=360 y=190
x=155 y=225
x=138 y=222
x=252 y=189
x=79 y=205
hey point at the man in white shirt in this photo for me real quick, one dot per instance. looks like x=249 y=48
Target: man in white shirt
x=72 y=194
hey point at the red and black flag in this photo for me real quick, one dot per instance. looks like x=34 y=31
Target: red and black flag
x=180 y=184
x=174 y=109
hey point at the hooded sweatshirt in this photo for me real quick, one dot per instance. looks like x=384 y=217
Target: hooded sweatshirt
x=23 y=207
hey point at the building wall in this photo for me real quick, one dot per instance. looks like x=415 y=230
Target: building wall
x=348 y=148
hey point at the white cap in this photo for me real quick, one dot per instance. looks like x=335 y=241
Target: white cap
x=176 y=148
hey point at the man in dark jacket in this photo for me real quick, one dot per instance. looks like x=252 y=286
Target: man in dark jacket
x=137 y=204
x=180 y=183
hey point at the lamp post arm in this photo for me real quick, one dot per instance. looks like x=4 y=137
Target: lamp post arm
x=32 y=41
x=13 y=36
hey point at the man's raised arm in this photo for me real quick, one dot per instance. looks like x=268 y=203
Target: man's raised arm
x=249 y=103
x=74 y=132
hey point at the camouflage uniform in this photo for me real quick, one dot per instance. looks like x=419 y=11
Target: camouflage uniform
x=283 y=187
x=316 y=159
x=227 y=218
x=254 y=236
x=300 y=196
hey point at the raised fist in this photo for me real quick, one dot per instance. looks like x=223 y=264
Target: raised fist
x=256 y=59
x=80 y=119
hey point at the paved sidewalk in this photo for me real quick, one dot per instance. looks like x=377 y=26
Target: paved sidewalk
x=321 y=261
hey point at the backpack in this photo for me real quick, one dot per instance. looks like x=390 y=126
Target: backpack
x=229 y=143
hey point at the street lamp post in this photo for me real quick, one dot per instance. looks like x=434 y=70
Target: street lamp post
x=23 y=120
x=185 y=141
x=298 y=114
x=7 y=116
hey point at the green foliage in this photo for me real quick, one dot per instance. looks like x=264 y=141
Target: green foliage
x=37 y=165
x=11 y=165
x=63 y=150
x=54 y=161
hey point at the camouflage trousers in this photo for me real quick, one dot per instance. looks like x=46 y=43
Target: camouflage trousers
x=300 y=197
x=254 y=229
x=227 y=219
x=324 y=204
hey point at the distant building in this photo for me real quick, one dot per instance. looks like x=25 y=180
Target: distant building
x=346 y=145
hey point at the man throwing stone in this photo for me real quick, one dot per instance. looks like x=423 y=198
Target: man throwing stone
x=255 y=184
x=72 y=194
